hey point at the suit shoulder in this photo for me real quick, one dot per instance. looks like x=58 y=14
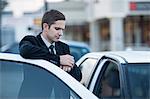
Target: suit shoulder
x=29 y=38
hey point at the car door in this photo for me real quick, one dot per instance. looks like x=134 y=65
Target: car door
x=87 y=67
x=23 y=80
x=106 y=81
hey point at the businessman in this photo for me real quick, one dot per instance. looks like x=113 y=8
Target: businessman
x=47 y=45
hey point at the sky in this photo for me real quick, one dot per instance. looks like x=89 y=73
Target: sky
x=20 y=6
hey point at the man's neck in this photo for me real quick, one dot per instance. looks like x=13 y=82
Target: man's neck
x=45 y=41
x=45 y=37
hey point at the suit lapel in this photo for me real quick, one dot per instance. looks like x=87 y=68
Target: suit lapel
x=57 y=48
x=41 y=42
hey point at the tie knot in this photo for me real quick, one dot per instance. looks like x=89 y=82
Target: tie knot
x=51 y=47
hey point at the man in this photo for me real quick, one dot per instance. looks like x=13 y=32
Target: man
x=47 y=46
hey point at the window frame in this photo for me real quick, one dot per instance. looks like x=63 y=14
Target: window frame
x=92 y=71
x=102 y=63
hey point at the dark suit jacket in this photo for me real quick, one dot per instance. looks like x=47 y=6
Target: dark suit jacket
x=32 y=47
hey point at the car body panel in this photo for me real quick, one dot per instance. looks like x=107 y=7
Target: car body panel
x=122 y=59
x=65 y=77
x=122 y=56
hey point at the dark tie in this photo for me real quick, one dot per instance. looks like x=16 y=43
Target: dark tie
x=52 y=49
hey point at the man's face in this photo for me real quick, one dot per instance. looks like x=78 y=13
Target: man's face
x=55 y=31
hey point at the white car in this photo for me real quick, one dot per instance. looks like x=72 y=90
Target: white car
x=37 y=79
x=117 y=75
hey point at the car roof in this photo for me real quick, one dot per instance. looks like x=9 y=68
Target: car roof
x=70 y=81
x=123 y=56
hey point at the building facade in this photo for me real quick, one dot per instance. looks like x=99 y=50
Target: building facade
x=103 y=24
x=120 y=24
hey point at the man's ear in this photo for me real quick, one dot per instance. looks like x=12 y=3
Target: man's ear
x=45 y=26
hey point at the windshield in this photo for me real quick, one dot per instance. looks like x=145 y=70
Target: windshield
x=138 y=77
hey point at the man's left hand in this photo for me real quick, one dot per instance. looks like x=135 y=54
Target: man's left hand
x=66 y=68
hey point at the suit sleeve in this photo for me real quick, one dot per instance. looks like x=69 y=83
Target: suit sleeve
x=29 y=49
x=75 y=71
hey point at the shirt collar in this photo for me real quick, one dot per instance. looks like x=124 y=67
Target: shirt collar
x=46 y=42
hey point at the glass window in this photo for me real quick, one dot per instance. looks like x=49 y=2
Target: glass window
x=78 y=52
x=108 y=83
x=26 y=81
x=138 y=77
x=87 y=67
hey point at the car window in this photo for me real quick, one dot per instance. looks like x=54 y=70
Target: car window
x=138 y=80
x=27 y=81
x=108 y=82
x=87 y=68
x=78 y=52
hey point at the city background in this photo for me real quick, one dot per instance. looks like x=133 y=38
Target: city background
x=103 y=24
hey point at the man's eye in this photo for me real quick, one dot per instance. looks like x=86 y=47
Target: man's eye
x=56 y=28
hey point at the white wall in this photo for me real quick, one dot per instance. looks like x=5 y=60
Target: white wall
x=110 y=8
x=20 y=25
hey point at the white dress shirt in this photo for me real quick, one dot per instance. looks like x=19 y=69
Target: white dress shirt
x=48 y=44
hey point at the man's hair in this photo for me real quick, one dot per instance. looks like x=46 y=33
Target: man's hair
x=51 y=16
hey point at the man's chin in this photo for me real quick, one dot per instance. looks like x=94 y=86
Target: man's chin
x=56 y=40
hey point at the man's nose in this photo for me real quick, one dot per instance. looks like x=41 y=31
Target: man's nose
x=61 y=33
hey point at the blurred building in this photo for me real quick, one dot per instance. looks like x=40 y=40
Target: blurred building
x=30 y=23
x=118 y=24
x=103 y=24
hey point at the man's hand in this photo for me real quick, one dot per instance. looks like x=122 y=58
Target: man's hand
x=67 y=60
x=66 y=68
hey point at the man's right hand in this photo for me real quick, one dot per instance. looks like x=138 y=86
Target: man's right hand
x=67 y=60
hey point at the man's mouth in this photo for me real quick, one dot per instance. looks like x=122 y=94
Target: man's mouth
x=57 y=37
